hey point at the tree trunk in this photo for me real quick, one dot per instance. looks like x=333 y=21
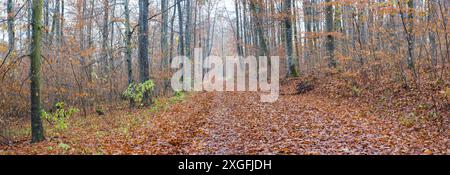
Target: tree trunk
x=330 y=39
x=164 y=34
x=180 y=24
x=56 y=20
x=111 y=52
x=256 y=10
x=105 y=33
x=245 y=34
x=89 y=67
x=308 y=27
x=11 y=33
x=290 y=66
x=172 y=33
x=188 y=28
x=112 y=39
x=411 y=37
x=408 y=28
x=431 y=33
x=46 y=17
x=37 y=130
x=298 y=43
x=61 y=30
x=128 y=36
x=29 y=18
x=238 y=34
x=82 y=8
x=89 y=38
x=144 y=65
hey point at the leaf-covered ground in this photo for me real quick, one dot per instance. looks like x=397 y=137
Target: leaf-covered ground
x=237 y=123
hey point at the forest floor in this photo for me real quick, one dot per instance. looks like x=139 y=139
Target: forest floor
x=314 y=122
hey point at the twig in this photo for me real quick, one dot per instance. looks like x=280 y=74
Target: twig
x=9 y=50
x=9 y=68
x=155 y=15
x=20 y=9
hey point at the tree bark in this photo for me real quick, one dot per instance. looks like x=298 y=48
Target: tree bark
x=37 y=130
x=11 y=33
x=164 y=34
x=432 y=34
x=188 y=28
x=172 y=33
x=105 y=34
x=238 y=34
x=144 y=65
x=180 y=24
x=408 y=28
x=256 y=10
x=46 y=17
x=290 y=66
x=128 y=36
x=330 y=38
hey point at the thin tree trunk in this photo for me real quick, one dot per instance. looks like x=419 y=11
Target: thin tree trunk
x=111 y=53
x=238 y=34
x=46 y=17
x=61 y=30
x=298 y=43
x=408 y=28
x=128 y=36
x=188 y=28
x=81 y=20
x=172 y=33
x=181 y=33
x=245 y=28
x=11 y=33
x=105 y=32
x=308 y=27
x=431 y=33
x=89 y=68
x=112 y=39
x=164 y=34
x=256 y=10
x=330 y=38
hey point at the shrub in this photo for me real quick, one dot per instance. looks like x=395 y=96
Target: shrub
x=136 y=91
x=178 y=97
x=59 y=118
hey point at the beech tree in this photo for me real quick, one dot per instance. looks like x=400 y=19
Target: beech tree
x=11 y=32
x=128 y=36
x=164 y=34
x=144 y=64
x=37 y=130
x=255 y=6
x=291 y=69
x=330 y=39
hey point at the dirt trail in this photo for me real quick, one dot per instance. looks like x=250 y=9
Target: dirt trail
x=237 y=123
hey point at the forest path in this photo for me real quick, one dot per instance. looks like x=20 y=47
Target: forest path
x=237 y=123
